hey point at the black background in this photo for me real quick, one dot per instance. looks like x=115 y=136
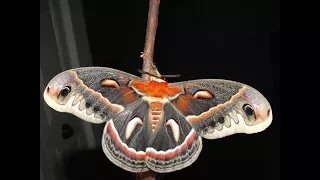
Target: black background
x=234 y=40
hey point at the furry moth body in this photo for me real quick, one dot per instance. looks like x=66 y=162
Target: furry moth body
x=154 y=124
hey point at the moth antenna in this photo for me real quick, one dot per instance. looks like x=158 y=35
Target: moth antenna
x=171 y=76
x=160 y=76
x=151 y=74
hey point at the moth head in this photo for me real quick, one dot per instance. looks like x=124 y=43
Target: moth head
x=59 y=90
x=255 y=107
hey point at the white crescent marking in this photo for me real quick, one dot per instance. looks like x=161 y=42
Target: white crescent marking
x=175 y=129
x=132 y=125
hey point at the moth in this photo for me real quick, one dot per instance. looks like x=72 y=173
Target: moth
x=155 y=124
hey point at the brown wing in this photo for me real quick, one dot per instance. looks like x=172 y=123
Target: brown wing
x=217 y=108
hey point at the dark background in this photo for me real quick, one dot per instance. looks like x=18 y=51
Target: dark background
x=234 y=40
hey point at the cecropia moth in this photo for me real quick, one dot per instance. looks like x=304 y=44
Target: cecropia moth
x=155 y=124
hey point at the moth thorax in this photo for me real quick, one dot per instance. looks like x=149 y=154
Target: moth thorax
x=156 y=108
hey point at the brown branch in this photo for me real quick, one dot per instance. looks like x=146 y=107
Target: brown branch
x=148 y=175
x=148 y=65
x=151 y=32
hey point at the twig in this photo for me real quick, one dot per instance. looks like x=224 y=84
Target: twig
x=151 y=32
x=148 y=65
x=148 y=175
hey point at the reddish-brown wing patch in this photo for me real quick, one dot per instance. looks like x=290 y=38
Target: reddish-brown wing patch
x=128 y=95
x=183 y=103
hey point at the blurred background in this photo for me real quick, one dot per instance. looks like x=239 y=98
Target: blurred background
x=234 y=40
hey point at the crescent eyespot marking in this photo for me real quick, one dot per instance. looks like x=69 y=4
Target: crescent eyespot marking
x=203 y=94
x=129 y=151
x=115 y=107
x=175 y=129
x=132 y=125
x=195 y=118
x=109 y=83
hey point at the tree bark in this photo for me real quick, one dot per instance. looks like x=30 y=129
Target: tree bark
x=151 y=32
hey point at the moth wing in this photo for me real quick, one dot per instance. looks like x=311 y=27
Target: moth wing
x=217 y=108
x=129 y=142
x=126 y=135
x=94 y=94
x=174 y=144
